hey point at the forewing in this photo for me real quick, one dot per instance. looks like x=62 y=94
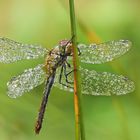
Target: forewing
x=25 y=82
x=104 y=52
x=11 y=51
x=104 y=83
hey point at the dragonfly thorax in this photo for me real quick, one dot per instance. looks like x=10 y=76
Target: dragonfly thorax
x=58 y=56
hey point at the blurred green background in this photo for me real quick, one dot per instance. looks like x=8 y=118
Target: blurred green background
x=46 y=22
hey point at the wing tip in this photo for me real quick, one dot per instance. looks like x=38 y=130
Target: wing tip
x=126 y=43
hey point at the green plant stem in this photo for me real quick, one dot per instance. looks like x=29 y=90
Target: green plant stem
x=79 y=127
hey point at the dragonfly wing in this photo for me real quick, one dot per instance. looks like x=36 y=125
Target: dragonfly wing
x=104 y=52
x=25 y=82
x=97 y=83
x=104 y=83
x=11 y=51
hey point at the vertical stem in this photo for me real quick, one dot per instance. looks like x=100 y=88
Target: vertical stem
x=79 y=127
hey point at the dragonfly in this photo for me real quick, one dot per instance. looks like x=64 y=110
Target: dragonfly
x=58 y=71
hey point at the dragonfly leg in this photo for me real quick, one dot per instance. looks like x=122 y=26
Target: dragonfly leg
x=68 y=64
x=60 y=78
x=66 y=74
x=79 y=52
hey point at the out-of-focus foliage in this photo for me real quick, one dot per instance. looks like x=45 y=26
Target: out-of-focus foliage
x=46 y=22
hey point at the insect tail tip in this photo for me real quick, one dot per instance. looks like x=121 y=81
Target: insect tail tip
x=37 y=128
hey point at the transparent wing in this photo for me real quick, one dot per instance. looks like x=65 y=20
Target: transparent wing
x=94 y=83
x=104 y=52
x=11 y=51
x=25 y=82
x=104 y=83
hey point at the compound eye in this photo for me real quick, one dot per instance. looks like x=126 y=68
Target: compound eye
x=63 y=43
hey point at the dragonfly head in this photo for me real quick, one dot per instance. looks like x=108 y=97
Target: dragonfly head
x=65 y=46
